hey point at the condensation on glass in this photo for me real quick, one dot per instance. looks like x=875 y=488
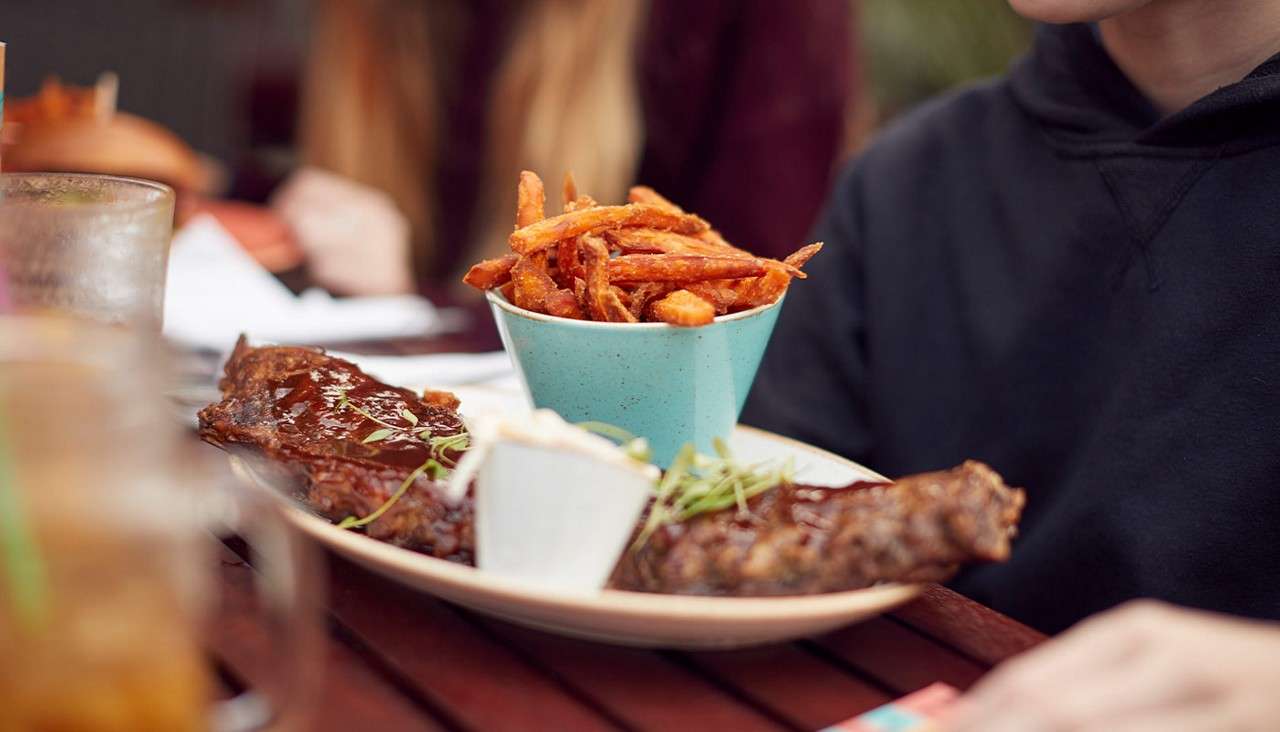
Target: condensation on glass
x=88 y=245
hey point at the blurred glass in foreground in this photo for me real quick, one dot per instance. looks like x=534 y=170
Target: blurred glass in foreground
x=89 y=245
x=105 y=546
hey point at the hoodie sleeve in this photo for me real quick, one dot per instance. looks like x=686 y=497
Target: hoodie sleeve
x=812 y=383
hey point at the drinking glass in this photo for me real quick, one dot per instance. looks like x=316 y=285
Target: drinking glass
x=90 y=245
x=106 y=549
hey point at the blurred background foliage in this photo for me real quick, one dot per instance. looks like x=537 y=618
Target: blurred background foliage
x=914 y=49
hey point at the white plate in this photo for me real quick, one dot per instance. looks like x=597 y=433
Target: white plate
x=631 y=618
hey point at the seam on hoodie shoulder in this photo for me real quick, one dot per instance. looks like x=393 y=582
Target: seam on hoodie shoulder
x=1141 y=236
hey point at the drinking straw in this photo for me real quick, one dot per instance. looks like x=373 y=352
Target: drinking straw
x=18 y=551
x=1 y=91
x=4 y=278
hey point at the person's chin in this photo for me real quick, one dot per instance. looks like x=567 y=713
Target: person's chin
x=1074 y=11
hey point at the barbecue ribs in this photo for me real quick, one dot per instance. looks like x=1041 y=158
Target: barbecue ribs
x=311 y=419
x=287 y=405
x=801 y=540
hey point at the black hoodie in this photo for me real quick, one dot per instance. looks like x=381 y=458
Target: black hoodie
x=1043 y=274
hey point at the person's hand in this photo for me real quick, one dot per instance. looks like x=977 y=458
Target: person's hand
x=1145 y=666
x=356 y=240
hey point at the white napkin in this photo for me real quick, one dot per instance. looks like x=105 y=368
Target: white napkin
x=436 y=369
x=216 y=291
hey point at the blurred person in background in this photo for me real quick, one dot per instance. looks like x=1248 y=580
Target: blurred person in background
x=412 y=118
x=1070 y=273
x=416 y=118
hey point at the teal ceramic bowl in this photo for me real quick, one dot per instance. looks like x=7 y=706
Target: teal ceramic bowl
x=670 y=385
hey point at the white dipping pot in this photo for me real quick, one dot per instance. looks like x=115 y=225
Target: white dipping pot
x=555 y=518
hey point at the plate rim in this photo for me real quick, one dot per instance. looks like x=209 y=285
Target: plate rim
x=400 y=563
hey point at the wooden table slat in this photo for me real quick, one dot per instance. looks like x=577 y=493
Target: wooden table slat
x=971 y=628
x=642 y=688
x=350 y=695
x=792 y=683
x=898 y=657
x=479 y=682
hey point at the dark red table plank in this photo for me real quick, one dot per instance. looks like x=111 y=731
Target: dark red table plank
x=971 y=628
x=792 y=683
x=641 y=688
x=350 y=695
x=898 y=657
x=469 y=676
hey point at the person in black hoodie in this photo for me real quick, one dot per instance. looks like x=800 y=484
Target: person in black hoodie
x=1073 y=274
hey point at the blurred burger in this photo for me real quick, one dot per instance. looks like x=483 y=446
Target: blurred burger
x=73 y=129
x=78 y=130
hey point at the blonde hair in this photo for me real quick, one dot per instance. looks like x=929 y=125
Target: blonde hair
x=564 y=98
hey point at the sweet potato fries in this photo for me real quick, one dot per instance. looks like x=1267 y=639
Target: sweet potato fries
x=645 y=260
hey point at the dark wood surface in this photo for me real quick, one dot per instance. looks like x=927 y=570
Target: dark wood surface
x=396 y=659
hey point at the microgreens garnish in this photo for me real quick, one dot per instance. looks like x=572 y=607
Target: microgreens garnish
x=435 y=470
x=436 y=467
x=377 y=435
x=636 y=448
x=696 y=483
x=345 y=403
x=458 y=442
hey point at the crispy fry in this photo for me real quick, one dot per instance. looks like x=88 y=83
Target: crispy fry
x=713 y=237
x=531 y=199
x=683 y=308
x=756 y=291
x=708 y=243
x=681 y=268
x=623 y=296
x=569 y=190
x=579 y=203
x=645 y=293
x=719 y=293
x=638 y=241
x=671 y=266
x=532 y=283
x=548 y=232
x=490 y=273
x=601 y=298
x=563 y=304
x=802 y=255
x=568 y=266
x=645 y=194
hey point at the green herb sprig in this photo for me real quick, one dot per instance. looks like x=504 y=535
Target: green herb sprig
x=636 y=448
x=695 y=483
x=436 y=467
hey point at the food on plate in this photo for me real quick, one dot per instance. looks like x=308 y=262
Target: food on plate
x=633 y=268
x=800 y=540
x=345 y=444
x=491 y=272
x=555 y=504
x=683 y=307
x=378 y=458
x=602 y=256
x=604 y=301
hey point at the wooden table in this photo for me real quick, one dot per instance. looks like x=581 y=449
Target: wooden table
x=396 y=659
